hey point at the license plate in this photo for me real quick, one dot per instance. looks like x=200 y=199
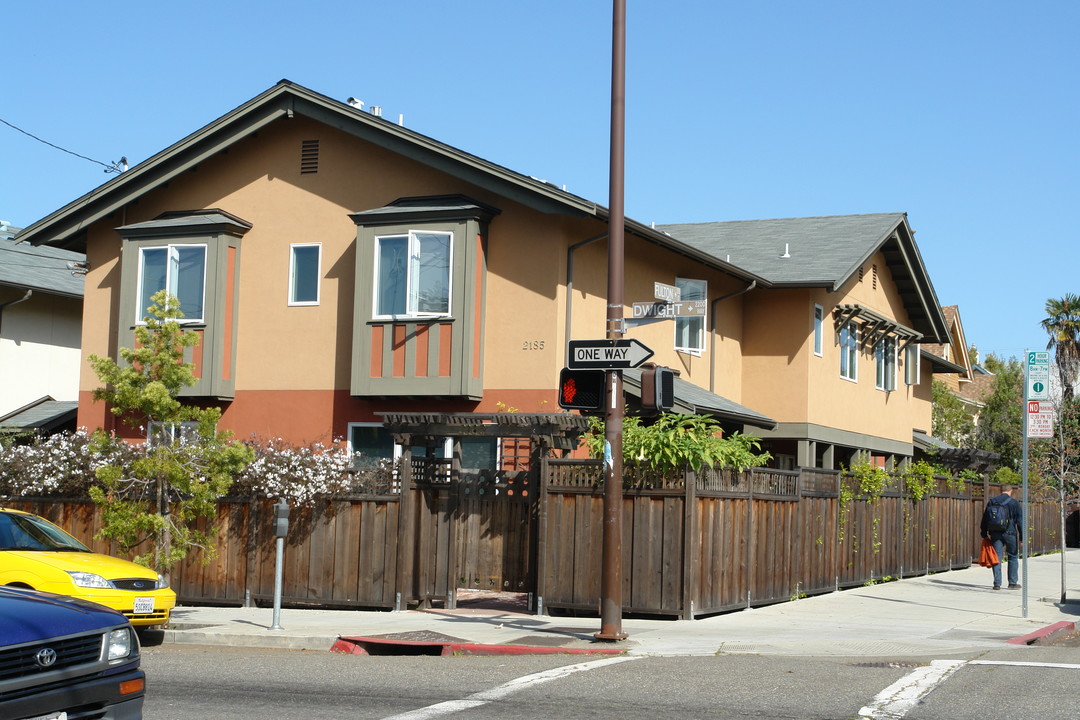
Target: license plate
x=144 y=605
x=53 y=716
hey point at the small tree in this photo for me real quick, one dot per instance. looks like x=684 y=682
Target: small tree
x=951 y=420
x=159 y=496
x=1001 y=427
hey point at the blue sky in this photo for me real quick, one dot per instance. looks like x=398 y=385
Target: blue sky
x=962 y=114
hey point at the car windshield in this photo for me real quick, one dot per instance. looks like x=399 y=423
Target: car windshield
x=27 y=532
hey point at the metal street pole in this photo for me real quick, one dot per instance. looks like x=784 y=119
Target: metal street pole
x=614 y=408
x=1023 y=549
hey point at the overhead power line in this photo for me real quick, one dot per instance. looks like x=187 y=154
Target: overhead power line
x=116 y=167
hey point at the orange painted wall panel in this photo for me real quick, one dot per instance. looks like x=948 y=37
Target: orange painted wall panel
x=398 y=351
x=423 y=337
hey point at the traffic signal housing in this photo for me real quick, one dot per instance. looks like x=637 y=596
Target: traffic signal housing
x=581 y=389
x=657 y=388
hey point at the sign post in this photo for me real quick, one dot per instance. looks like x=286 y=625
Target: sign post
x=615 y=409
x=1036 y=390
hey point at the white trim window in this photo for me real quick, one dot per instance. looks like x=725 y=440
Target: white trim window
x=412 y=274
x=690 y=331
x=849 y=352
x=179 y=269
x=885 y=360
x=305 y=269
x=912 y=370
x=819 y=321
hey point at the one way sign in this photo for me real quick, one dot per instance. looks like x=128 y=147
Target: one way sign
x=607 y=354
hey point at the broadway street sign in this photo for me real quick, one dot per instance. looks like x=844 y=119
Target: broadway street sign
x=607 y=354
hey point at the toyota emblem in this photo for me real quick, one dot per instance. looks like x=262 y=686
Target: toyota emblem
x=45 y=657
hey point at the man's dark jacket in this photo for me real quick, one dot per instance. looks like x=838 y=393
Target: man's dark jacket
x=1015 y=515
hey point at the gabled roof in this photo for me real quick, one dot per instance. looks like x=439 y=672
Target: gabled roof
x=65 y=227
x=824 y=252
x=41 y=269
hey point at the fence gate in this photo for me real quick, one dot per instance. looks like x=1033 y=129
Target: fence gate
x=495 y=530
x=469 y=528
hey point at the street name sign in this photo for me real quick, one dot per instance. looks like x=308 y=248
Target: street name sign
x=607 y=354
x=1038 y=375
x=669 y=310
x=670 y=293
x=1040 y=419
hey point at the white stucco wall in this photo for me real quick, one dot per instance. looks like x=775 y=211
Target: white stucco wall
x=39 y=350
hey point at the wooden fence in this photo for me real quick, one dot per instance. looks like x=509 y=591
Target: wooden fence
x=692 y=545
x=718 y=541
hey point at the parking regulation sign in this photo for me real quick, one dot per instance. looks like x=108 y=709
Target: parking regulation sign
x=1040 y=419
x=1038 y=375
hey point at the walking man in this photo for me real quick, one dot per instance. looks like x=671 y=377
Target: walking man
x=1002 y=524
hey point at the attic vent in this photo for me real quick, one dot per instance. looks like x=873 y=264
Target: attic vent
x=309 y=157
x=875 y=275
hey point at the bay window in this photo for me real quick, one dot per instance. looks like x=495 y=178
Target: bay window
x=179 y=269
x=412 y=274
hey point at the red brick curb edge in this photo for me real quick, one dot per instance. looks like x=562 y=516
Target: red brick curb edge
x=1044 y=635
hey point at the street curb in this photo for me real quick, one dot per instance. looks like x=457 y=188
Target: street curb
x=286 y=642
x=382 y=646
x=1044 y=635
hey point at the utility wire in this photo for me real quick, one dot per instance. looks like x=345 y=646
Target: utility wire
x=117 y=167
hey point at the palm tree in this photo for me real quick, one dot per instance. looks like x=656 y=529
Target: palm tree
x=1062 y=323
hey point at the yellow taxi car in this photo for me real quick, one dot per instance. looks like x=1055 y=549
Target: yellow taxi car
x=38 y=555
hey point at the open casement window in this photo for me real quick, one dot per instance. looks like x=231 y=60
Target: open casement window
x=885 y=361
x=690 y=331
x=849 y=352
x=195 y=256
x=304 y=272
x=912 y=371
x=179 y=269
x=413 y=274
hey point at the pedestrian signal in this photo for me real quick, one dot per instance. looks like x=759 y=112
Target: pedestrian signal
x=581 y=389
x=657 y=388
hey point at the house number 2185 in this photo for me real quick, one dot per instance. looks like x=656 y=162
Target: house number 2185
x=532 y=344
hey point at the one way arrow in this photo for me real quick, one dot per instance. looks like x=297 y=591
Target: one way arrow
x=607 y=354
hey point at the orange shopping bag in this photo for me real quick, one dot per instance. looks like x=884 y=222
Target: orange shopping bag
x=988 y=555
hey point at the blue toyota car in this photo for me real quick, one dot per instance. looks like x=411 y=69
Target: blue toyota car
x=66 y=659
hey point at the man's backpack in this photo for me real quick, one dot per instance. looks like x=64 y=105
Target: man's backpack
x=996 y=517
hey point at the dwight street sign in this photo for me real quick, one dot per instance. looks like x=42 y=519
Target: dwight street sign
x=1038 y=375
x=607 y=354
x=669 y=310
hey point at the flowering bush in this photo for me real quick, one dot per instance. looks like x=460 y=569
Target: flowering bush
x=66 y=465
x=62 y=464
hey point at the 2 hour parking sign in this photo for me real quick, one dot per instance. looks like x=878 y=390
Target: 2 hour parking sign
x=1038 y=375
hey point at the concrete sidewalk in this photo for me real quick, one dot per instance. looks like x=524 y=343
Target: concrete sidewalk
x=948 y=613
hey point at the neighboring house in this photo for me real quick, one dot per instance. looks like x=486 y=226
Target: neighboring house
x=831 y=348
x=970 y=383
x=41 y=292
x=337 y=265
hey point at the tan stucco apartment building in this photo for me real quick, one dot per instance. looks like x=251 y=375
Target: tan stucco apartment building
x=337 y=265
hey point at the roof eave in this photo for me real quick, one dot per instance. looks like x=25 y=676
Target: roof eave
x=64 y=226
